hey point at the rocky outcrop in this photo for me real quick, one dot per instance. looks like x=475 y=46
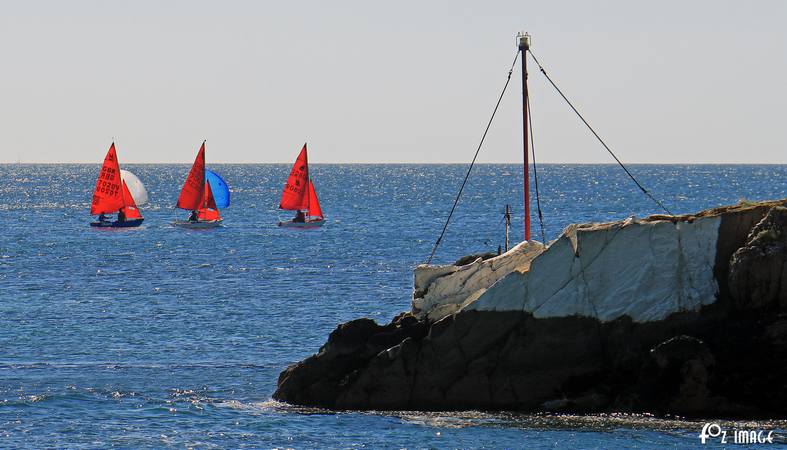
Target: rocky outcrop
x=672 y=315
x=758 y=270
x=350 y=347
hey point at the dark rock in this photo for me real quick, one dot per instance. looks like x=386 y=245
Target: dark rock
x=678 y=373
x=318 y=379
x=677 y=350
x=758 y=270
x=736 y=224
x=588 y=402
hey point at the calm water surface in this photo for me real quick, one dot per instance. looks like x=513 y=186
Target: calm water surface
x=165 y=337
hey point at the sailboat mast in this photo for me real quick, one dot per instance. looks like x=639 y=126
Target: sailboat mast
x=308 y=195
x=524 y=44
x=308 y=180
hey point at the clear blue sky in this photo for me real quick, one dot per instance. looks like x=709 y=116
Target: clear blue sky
x=395 y=81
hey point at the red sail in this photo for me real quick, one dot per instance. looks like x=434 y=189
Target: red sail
x=130 y=206
x=192 y=192
x=208 y=211
x=314 y=204
x=295 y=195
x=107 y=196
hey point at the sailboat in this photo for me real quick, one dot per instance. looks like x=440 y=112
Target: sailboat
x=112 y=195
x=203 y=193
x=299 y=195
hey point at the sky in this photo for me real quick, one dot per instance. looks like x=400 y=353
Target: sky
x=390 y=81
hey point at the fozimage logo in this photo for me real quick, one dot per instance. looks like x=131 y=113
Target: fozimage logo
x=715 y=433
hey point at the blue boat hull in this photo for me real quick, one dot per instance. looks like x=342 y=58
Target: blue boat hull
x=125 y=224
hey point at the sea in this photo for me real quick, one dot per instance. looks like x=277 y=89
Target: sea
x=163 y=337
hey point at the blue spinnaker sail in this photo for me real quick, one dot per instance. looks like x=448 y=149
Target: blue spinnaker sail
x=221 y=192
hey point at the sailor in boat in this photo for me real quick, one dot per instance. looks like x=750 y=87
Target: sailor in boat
x=121 y=216
x=300 y=217
x=194 y=216
x=102 y=217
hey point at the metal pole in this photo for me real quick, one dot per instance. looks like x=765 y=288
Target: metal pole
x=508 y=223
x=524 y=44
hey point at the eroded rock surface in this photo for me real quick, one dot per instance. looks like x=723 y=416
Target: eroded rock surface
x=671 y=315
x=758 y=270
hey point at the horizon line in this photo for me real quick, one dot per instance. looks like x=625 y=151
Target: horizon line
x=748 y=163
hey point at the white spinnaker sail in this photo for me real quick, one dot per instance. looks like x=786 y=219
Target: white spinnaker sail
x=135 y=187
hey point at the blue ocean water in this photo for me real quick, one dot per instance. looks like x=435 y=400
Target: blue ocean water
x=164 y=337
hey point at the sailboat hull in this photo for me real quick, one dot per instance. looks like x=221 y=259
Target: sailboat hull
x=307 y=224
x=200 y=224
x=125 y=224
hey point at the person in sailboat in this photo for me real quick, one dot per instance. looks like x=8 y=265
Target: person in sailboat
x=121 y=215
x=194 y=216
x=102 y=217
x=300 y=217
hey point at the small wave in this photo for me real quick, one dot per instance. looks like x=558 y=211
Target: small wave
x=108 y=273
x=121 y=394
x=37 y=398
x=26 y=400
x=272 y=404
x=439 y=421
x=236 y=405
x=181 y=393
x=281 y=407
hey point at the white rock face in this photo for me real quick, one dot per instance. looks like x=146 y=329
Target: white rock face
x=443 y=290
x=645 y=270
